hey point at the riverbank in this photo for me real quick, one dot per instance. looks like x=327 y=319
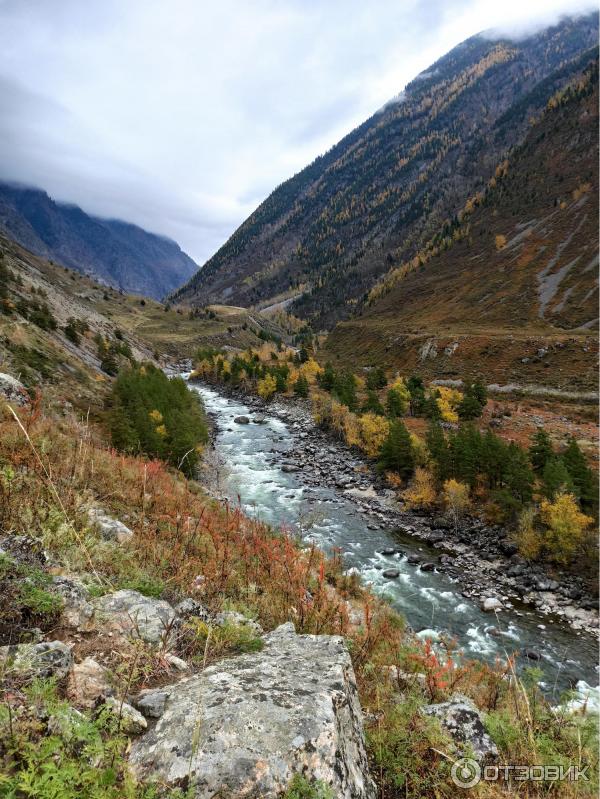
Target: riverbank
x=480 y=557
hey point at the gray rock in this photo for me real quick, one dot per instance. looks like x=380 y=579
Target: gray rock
x=88 y=681
x=290 y=467
x=391 y=574
x=233 y=618
x=546 y=585
x=461 y=720
x=46 y=659
x=259 y=419
x=12 y=390
x=191 y=607
x=110 y=529
x=151 y=703
x=427 y=567
x=131 y=720
x=133 y=614
x=491 y=603
x=531 y=654
x=244 y=726
x=241 y=420
x=77 y=609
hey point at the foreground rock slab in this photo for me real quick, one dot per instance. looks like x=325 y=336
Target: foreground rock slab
x=245 y=726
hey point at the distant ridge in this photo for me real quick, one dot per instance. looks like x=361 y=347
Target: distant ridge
x=119 y=253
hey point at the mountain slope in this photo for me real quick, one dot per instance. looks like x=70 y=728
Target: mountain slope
x=508 y=291
x=123 y=255
x=329 y=232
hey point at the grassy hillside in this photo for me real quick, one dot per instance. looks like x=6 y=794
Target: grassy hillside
x=39 y=300
x=374 y=199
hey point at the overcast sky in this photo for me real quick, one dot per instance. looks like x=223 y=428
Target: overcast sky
x=182 y=115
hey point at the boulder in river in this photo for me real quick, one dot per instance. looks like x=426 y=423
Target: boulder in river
x=491 y=603
x=242 y=420
x=391 y=574
x=244 y=726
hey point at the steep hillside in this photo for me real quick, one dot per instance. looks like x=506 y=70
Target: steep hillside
x=326 y=235
x=508 y=289
x=61 y=330
x=120 y=254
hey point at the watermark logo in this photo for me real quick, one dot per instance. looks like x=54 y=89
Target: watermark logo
x=467 y=773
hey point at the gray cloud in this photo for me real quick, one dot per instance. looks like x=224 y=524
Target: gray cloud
x=182 y=116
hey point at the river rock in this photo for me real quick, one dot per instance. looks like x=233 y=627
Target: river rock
x=110 y=529
x=391 y=574
x=46 y=659
x=241 y=420
x=491 y=603
x=461 y=720
x=244 y=726
x=132 y=614
x=531 y=654
x=427 y=567
x=259 y=419
x=543 y=584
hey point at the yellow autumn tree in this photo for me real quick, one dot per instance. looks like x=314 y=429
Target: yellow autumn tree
x=421 y=492
x=420 y=451
x=448 y=401
x=529 y=539
x=566 y=527
x=398 y=398
x=456 y=498
x=500 y=241
x=266 y=387
x=374 y=430
x=310 y=369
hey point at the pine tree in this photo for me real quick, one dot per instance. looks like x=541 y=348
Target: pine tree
x=438 y=449
x=397 y=453
x=301 y=386
x=469 y=408
x=417 y=395
x=518 y=476
x=376 y=379
x=372 y=404
x=541 y=450
x=584 y=480
x=556 y=478
x=431 y=409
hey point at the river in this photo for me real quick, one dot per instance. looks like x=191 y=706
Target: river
x=431 y=602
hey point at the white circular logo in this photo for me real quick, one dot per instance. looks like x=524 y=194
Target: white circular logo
x=466 y=772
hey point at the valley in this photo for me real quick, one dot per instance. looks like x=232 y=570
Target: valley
x=316 y=519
